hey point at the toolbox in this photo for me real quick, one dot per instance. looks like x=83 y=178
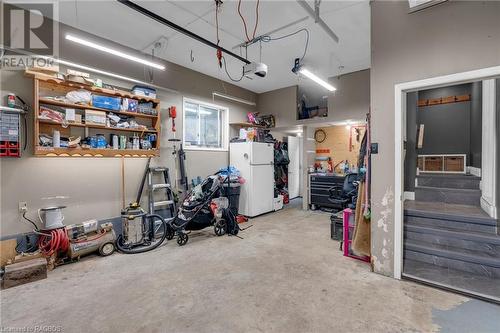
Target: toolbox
x=9 y=135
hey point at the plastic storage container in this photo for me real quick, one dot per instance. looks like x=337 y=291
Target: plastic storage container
x=348 y=233
x=232 y=192
x=107 y=102
x=144 y=91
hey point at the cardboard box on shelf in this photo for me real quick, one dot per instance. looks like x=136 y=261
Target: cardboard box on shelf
x=95 y=117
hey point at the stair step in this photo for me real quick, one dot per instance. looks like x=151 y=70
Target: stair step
x=450 y=216
x=448 y=195
x=475 y=284
x=464 y=260
x=449 y=181
x=484 y=244
x=163 y=203
x=159 y=186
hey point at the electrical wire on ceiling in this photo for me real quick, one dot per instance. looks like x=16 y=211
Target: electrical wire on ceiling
x=245 y=23
x=268 y=39
x=229 y=75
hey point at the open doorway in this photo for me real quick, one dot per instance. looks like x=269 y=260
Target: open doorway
x=335 y=166
x=446 y=223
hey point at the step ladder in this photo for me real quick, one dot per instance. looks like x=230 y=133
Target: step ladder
x=151 y=175
x=165 y=186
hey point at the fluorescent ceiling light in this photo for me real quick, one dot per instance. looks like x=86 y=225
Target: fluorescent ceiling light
x=113 y=51
x=233 y=98
x=316 y=79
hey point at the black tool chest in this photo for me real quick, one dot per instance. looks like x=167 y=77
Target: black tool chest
x=319 y=186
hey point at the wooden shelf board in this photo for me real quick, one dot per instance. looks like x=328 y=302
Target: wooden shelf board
x=243 y=124
x=51 y=122
x=89 y=107
x=104 y=91
x=78 y=152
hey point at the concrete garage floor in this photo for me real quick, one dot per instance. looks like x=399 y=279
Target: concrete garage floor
x=286 y=275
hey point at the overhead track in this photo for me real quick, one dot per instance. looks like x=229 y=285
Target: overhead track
x=178 y=28
x=314 y=13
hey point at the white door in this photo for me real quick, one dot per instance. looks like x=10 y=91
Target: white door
x=294 y=167
x=261 y=190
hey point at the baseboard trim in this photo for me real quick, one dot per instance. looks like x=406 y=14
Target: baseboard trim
x=489 y=209
x=474 y=171
x=409 y=195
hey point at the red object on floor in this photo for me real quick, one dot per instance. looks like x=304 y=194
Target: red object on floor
x=241 y=219
x=286 y=198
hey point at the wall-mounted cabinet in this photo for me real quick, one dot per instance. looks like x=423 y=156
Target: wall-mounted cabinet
x=137 y=128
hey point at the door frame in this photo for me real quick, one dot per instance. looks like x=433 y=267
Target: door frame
x=400 y=90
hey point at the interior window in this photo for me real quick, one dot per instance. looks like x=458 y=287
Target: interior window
x=203 y=125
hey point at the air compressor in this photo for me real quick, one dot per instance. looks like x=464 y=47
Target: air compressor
x=87 y=237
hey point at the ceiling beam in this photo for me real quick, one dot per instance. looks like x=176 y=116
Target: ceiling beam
x=318 y=20
x=178 y=28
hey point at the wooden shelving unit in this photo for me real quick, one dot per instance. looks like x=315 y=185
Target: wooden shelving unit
x=45 y=87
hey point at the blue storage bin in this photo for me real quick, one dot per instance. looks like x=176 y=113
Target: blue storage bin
x=106 y=102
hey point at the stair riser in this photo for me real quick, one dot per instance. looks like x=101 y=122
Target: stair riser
x=454 y=225
x=455 y=243
x=479 y=269
x=465 y=183
x=453 y=197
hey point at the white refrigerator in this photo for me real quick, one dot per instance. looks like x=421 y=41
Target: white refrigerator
x=255 y=161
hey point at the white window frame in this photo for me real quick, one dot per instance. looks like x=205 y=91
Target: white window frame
x=224 y=124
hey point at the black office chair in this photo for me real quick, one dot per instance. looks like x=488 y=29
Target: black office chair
x=345 y=195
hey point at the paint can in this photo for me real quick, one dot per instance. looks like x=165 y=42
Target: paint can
x=11 y=100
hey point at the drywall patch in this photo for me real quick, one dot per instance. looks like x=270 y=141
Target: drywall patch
x=470 y=316
x=383 y=264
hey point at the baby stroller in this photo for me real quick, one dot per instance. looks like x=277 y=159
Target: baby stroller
x=204 y=206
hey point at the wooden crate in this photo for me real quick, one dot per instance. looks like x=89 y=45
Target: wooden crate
x=420 y=163
x=454 y=163
x=433 y=163
x=24 y=272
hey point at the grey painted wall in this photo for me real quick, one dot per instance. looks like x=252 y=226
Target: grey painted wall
x=351 y=101
x=447 y=126
x=453 y=37
x=92 y=185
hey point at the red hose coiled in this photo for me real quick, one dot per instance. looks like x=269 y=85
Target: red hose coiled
x=53 y=241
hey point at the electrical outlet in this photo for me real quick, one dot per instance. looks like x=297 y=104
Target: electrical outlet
x=23 y=207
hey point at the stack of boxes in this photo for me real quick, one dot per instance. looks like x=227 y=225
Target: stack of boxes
x=9 y=135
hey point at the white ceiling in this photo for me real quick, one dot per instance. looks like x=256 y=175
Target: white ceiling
x=350 y=20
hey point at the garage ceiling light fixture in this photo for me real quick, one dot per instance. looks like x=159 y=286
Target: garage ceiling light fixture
x=117 y=53
x=316 y=79
x=298 y=68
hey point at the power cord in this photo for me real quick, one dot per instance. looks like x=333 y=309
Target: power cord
x=268 y=39
x=245 y=23
x=229 y=75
